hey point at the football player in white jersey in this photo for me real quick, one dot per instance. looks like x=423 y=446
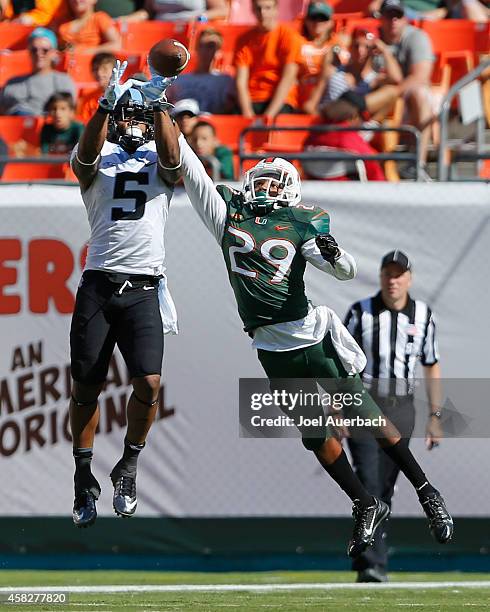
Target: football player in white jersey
x=127 y=162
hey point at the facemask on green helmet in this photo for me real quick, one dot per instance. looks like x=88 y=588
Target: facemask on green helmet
x=272 y=183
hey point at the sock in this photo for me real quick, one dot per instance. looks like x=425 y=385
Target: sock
x=84 y=478
x=341 y=471
x=83 y=459
x=129 y=460
x=402 y=456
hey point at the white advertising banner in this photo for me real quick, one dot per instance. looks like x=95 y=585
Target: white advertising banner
x=195 y=463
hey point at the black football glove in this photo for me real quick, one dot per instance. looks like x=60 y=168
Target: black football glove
x=328 y=248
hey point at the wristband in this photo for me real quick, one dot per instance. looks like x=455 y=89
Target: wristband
x=437 y=414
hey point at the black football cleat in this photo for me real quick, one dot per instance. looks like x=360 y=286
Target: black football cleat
x=124 y=499
x=372 y=574
x=366 y=520
x=86 y=494
x=440 y=522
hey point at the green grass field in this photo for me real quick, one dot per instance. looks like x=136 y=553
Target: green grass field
x=288 y=591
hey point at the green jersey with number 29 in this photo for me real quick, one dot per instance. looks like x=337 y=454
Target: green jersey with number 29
x=264 y=259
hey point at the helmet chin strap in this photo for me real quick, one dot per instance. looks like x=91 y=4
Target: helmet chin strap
x=261 y=204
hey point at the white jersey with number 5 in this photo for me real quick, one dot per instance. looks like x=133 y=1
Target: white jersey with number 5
x=127 y=206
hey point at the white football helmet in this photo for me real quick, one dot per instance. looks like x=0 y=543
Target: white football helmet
x=272 y=183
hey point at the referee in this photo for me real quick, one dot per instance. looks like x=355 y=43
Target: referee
x=395 y=332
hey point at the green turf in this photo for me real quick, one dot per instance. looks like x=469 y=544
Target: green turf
x=93 y=577
x=457 y=599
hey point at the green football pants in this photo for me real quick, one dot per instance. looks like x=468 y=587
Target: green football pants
x=314 y=364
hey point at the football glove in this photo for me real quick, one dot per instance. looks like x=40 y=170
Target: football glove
x=328 y=247
x=115 y=89
x=154 y=91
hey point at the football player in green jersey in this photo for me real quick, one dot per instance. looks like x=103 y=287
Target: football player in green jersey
x=267 y=236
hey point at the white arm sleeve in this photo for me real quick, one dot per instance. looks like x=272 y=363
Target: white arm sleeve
x=345 y=267
x=202 y=193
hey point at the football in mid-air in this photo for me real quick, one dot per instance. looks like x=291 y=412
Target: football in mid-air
x=168 y=57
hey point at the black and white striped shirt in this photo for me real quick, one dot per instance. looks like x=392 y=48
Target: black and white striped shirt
x=393 y=341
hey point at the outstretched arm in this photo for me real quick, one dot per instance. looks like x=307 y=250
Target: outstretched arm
x=85 y=158
x=201 y=190
x=333 y=260
x=169 y=167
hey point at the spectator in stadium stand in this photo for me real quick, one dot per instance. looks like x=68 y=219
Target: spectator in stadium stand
x=186 y=114
x=186 y=10
x=267 y=58
x=316 y=49
x=362 y=74
x=28 y=94
x=413 y=50
x=88 y=100
x=123 y=10
x=89 y=31
x=214 y=91
x=61 y=132
x=459 y=9
x=27 y=12
x=432 y=10
x=207 y=146
x=346 y=111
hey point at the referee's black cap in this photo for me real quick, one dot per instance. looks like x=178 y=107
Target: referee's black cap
x=397 y=257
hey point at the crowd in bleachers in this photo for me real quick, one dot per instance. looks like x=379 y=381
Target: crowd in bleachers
x=348 y=63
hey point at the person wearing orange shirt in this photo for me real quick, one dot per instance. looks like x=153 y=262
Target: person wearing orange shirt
x=44 y=13
x=316 y=49
x=88 y=99
x=266 y=60
x=89 y=31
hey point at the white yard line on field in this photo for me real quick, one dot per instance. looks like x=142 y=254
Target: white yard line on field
x=221 y=588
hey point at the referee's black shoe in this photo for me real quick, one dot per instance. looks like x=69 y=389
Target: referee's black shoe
x=366 y=520
x=440 y=522
x=87 y=491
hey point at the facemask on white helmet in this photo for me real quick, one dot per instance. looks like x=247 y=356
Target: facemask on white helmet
x=272 y=183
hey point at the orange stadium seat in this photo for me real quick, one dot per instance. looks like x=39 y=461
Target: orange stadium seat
x=482 y=38
x=14 y=35
x=454 y=42
x=15 y=129
x=485 y=169
x=284 y=140
x=451 y=34
x=228 y=128
x=139 y=37
x=31 y=171
x=14 y=63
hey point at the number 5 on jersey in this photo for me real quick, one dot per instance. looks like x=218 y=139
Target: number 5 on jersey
x=138 y=195
x=281 y=263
